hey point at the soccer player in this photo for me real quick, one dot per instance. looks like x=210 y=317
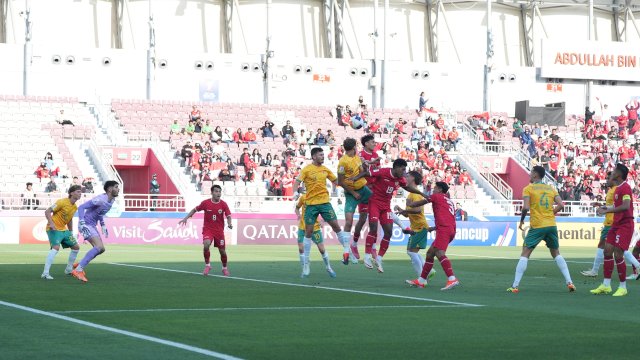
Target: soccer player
x=215 y=211
x=314 y=176
x=370 y=161
x=620 y=234
x=90 y=213
x=540 y=198
x=304 y=247
x=608 y=220
x=59 y=227
x=357 y=192
x=386 y=182
x=445 y=227
x=418 y=222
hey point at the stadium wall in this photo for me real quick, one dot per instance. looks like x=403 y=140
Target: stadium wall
x=269 y=229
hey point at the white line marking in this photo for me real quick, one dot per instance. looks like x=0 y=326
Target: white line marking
x=302 y=285
x=511 y=258
x=277 y=308
x=123 y=332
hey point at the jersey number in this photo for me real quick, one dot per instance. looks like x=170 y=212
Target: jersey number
x=213 y=217
x=390 y=190
x=544 y=201
x=452 y=209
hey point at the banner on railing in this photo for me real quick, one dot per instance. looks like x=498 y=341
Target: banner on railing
x=576 y=233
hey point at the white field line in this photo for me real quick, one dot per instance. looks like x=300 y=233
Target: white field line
x=123 y=332
x=303 y=285
x=276 y=308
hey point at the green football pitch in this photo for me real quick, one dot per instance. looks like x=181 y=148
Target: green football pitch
x=152 y=302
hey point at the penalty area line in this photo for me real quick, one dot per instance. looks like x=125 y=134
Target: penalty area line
x=122 y=332
x=303 y=285
x=272 y=308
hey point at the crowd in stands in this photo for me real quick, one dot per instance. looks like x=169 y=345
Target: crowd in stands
x=580 y=168
x=425 y=142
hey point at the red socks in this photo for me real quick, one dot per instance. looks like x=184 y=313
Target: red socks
x=608 y=266
x=223 y=259
x=446 y=266
x=622 y=270
x=384 y=245
x=426 y=268
x=371 y=239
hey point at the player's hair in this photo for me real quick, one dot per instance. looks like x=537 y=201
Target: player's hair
x=74 y=188
x=416 y=176
x=349 y=144
x=109 y=184
x=623 y=170
x=365 y=139
x=540 y=171
x=316 y=150
x=399 y=163
x=443 y=186
x=29 y=183
x=216 y=186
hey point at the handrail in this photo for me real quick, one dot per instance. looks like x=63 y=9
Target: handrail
x=104 y=163
x=130 y=202
x=503 y=188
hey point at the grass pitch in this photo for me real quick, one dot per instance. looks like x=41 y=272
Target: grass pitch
x=152 y=302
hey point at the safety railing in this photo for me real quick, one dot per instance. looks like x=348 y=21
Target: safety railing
x=130 y=202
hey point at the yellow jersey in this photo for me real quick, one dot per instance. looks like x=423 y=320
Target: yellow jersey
x=349 y=166
x=63 y=211
x=608 y=217
x=315 y=181
x=417 y=221
x=541 y=200
x=301 y=205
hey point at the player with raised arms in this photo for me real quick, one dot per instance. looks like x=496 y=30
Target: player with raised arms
x=215 y=211
x=540 y=199
x=90 y=214
x=59 y=229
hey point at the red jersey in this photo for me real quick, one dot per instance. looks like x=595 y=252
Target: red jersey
x=214 y=215
x=623 y=192
x=364 y=155
x=384 y=185
x=443 y=210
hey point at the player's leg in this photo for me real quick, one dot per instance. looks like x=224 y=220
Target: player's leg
x=325 y=256
x=416 y=242
x=609 y=262
x=441 y=243
x=69 y=241
x=387 y=228
x=55 y=238
x=621 y=266
x=221 y=244
x=426 y=270
x=635 y=254
x=363 y=210
x=396 y=220
x=532 y=240
x=310 y=216
x=206 y=254
x=98 y=248
x=599 y=258
x=551 y=239
x=372 y=236
x=330 y=217
x=302 y=253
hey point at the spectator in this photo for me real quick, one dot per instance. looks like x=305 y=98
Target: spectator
x=51 y=186
x=48 y=161
x=154 y=190
x=588 y=115
x=267 y=160
x=249 y=137
x=187 y=153
x=29 y=201
x=544 y=160
x=75 y=181
x=632 y=112
x=399 y=128
x=331 y=140
x=422 y=104
x=421 y=120
x=249 y=176
x=238 y=138
x=42 y=172
x=256 y=157
x=320 y=138
x=517 y=128
x=191 y=128
x=175 y=127
x=226 y=137
x=216 y=134
x=206 y=129
x=302 y=151
x=195 y=113
x=536 y=130
x=429 y=132
x=439 y=122
x=62 y=120
x=460 y=214
x=464 y=179
x=87 y=186
x=218 y=148
x=225 y=175
x=454 y=138
x=287 y=186
x=267 y=129
x=339 y=115
x=623 y=120
x=198 y=126
x=389 y=126
x=287 y=130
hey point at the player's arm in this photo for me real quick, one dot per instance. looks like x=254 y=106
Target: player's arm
x=559 y=204
x=362 y=174
x=348 y=188
x=414 y=190
x=296 y=185
x=70 y=225
x=49 y=215
x=228 y=212
x=189 y=215
x=297 y=211
x=526 y=205
x=626 y=203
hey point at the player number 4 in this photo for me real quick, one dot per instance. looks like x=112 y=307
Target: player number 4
x=544 y=201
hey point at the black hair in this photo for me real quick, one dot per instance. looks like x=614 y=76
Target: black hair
x=399 y=163
x=74 y=188
x=216 y=186
x=316 y=150
x=109 y=184
x=623 y=169
x=349 y=144
x=29 y=184
x=365 y=139
x=416 y=176
x=540 y=171
x=443 y=186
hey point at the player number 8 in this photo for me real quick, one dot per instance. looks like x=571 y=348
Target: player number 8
x=213 y=217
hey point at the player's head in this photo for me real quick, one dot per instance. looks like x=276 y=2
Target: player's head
x=317 y=155
x=399 y=167
x=414 y=178
x=368 y=142
x=619 y=174
x=112 y=188
x=441 y=187
x=349 y=144
x=537 y=174
x=75 y=192
x=610 y=183
x=216 y=192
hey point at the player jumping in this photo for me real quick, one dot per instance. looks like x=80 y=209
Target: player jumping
x=90 y=214
x=445 y=227
x=215 y=211
x=540 y=198
x=59 y=229
x=304 y=247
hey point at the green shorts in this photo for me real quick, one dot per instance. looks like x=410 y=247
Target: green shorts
x=351 y=203
x=604 y=232
x=64 y=238
x=316 y=237
x=312 y=211
x=418 y=240
x=549 y=234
